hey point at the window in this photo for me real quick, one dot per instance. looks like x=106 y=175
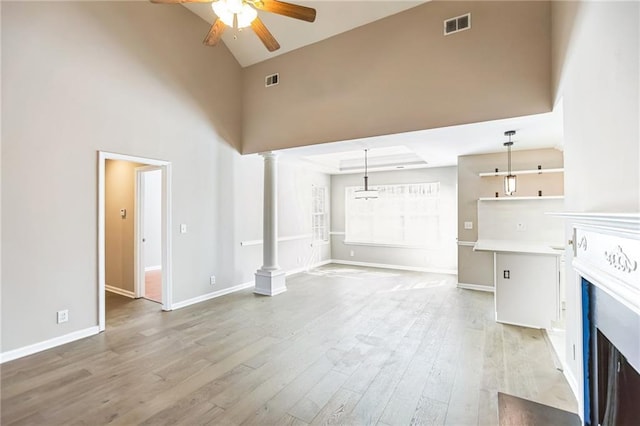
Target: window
x=319 y=214
x=402 y=215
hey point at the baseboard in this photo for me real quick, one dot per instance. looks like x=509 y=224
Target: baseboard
x=400 y=267
x=47 y=344
x=153 y=268
x=212 y=295
x=573 y=383
x=120 y=291
x=476 y=287
x=309 y=267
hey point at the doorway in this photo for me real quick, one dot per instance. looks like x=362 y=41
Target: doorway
x=133 y=254
x=148 y=232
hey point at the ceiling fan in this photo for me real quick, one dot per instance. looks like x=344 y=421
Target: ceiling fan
x=244 y=13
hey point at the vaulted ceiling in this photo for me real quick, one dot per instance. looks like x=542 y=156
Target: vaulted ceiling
x=332 y=18
x=427 y=148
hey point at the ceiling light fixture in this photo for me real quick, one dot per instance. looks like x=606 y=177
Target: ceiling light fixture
x=509 y=179
x=366 y=193
x=234 y=13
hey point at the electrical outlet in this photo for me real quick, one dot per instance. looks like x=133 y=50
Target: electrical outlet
x=521 y=227
x=63 y=316
x=468 y=225
x=352 y=253
x=212 y=280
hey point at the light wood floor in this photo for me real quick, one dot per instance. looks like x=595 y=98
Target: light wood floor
x=343 y=345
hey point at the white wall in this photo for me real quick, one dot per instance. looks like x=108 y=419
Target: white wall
x=596 y=69
x=441 y=258
x=152 y=218
x=83 y=77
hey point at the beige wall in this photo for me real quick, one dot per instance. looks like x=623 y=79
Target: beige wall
x=477 y=267
x=119 y=231
x=126 y=77
x=401 y=74
x=597 y=72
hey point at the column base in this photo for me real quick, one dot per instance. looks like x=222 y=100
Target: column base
x=270 y=283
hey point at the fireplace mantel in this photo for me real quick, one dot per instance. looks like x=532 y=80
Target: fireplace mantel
x=606 y=251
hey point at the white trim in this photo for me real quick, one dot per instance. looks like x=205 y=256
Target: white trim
x=153 y=268
x=390 y=245
x=47 y=344
x=120 y=291
x=337 y=233
x=477 y=287
x=213 y=295
x=467 y=243
x=280 y=240
x=400 y=267
x=167 y=284
x=519 y=324
x=573 y=384
x=616 y=222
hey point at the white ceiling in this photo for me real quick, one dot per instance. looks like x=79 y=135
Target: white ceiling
x=427 y=148
x=332 y=18
x=437 y=147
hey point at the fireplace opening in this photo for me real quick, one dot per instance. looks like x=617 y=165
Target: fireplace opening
x=612 y=381
x=616 y=397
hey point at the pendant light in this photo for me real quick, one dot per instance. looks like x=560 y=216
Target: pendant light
x=509 y=179
x=366 y=193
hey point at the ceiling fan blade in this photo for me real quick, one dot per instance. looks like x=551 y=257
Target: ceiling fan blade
x=287 y=9
x=180 y=1
x=213 y=37
x=264 y=35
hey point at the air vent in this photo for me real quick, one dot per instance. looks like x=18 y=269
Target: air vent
x=271 y=80
x=457 y=24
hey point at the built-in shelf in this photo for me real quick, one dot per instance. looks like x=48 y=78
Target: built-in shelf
x=544 y=197
x=522 y=172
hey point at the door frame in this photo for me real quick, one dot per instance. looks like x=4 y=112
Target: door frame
x=138 y=230
x=167 y=284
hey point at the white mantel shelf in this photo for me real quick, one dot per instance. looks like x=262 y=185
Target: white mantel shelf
x=606 y=250
x=509 y=246
x=521 y=172
x=628 y=222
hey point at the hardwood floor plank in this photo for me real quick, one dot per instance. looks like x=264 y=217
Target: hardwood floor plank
x=344 y=345
x=308 y=407
x=337 y=408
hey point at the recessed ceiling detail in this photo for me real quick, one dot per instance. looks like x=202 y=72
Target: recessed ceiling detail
x=429 y=148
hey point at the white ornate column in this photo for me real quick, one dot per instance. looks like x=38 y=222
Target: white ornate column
x=270 y=279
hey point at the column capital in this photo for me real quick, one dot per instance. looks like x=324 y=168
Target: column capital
x=269 y=154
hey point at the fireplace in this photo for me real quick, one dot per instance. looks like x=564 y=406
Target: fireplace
x=612 y=388
x=606 y=262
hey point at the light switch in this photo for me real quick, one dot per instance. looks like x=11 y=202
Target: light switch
x=183 y=228
x=468 y=225
x=123 y=213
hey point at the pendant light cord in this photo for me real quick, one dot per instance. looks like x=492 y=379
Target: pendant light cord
x=366 y=178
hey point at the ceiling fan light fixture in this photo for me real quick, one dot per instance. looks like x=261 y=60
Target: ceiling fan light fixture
x=234 y=13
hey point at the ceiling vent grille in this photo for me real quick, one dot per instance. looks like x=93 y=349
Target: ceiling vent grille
x=271 y=80
x=457 y=24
